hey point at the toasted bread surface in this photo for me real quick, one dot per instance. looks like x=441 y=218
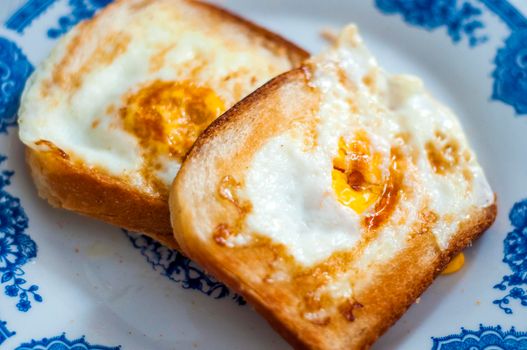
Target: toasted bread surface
x=262 y=270
x=66 y=179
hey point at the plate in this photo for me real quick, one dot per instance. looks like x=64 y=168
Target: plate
x=70 y=282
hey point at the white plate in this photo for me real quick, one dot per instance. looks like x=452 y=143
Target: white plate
x=117 y=289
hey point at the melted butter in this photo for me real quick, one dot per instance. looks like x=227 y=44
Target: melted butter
x=228 y=190
x=167 y=117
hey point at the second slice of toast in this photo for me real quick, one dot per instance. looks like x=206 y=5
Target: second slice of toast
x=331 y=197
x=109 y=116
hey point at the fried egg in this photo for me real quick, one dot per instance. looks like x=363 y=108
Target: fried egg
x=332 y=197
x=387 y=161
x=128 y=92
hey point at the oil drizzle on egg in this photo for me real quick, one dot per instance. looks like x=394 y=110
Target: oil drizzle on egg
x=357 y=173
x=359 y=182
x=390 y=195
x=167 y=117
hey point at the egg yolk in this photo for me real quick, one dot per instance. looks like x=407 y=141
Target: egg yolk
x=167 y=117
x=455 y=264
x=357 y=174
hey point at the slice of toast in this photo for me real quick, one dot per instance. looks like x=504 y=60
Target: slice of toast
x=109 y=116
x=331 y=197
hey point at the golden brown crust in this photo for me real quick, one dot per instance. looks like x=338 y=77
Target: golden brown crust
x=397 y=286
x=89 y=192
x=276 y=42
x=379 y=300
x=72 y=186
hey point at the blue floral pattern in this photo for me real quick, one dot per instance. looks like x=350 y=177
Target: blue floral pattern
x=486 y=338
x=461 y=18
x=81 y=9
x=515 y=255
x=63 y=343
x=178 y=268
x=4 y=332
x=14 y=70
x=16 y=247
x=510 y=75
x=25 y=15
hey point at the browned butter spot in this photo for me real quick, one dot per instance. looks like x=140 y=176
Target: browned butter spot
x=347 y=308
x=370 y=80
x=227 y=190
x=157 y=60
x=139 y=5
x=221 y=235
x=70 y=71
x=52 y=148
x=443 y=153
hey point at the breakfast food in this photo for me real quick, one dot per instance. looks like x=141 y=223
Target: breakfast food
x=110 y=115
x=331 y=197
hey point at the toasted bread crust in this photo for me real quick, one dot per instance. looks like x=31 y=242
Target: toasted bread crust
x=71 y=186
x=75 y=187
x=393 y=286
x=275 y=41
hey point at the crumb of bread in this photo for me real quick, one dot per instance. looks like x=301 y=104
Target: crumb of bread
x=329 y=34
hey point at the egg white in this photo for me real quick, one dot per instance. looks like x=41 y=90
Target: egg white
x=290 y=188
